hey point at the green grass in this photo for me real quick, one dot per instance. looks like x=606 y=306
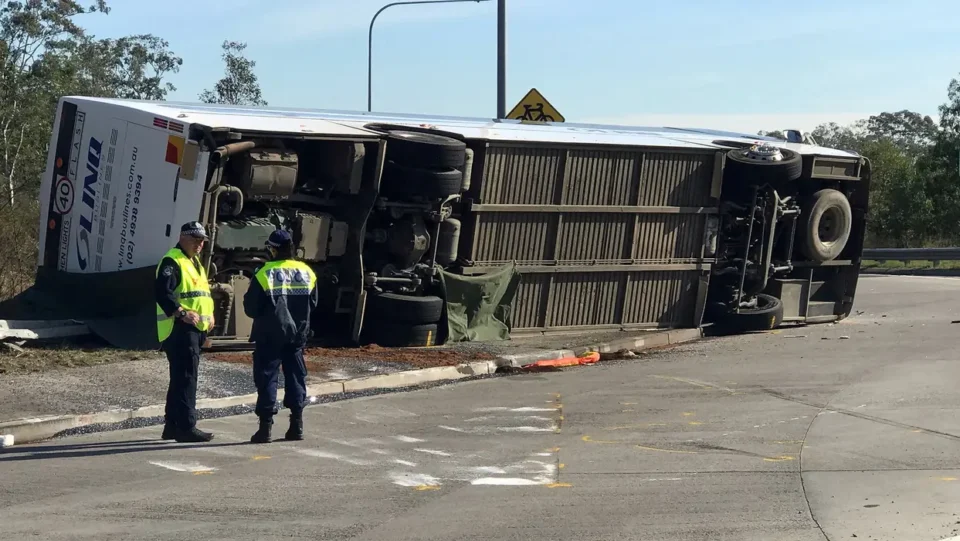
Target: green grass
x=909 y=265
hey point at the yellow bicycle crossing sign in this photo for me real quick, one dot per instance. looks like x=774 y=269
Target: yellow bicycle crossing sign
x=535 y=108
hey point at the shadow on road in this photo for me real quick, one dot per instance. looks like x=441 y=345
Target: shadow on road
x=87 y=450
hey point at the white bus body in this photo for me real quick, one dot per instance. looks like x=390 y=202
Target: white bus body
x=123 y=175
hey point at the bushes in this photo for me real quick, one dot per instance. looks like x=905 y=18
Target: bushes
x=18 y=239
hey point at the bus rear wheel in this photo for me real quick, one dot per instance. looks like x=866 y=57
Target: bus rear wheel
x=765 y=315
x=828 y=226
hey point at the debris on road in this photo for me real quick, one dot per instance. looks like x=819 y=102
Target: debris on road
x=6 y=440
x=41 y=329
x=15 y=347
x=589 y=358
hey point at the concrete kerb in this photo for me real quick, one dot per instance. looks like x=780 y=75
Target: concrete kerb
x=41 y=428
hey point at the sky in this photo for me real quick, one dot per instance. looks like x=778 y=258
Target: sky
x=742 y=65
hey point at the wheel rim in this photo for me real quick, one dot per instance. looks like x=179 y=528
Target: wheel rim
x=762 y=153
x=830 y=228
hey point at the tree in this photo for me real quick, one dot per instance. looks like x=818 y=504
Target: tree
x=239 y=86
x=911 y=132
x=139 y=65
x=901 y=213
x=832 y=135
x=944 y=156
x=45 y=54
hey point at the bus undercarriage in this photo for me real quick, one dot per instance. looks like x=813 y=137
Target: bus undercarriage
x=743 y=235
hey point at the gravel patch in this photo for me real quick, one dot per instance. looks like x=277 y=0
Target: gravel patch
x=126 y=385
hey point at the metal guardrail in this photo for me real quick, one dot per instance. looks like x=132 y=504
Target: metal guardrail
x=912 y=254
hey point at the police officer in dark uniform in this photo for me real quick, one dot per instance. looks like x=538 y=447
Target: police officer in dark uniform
x=184 y=316
x=280 y=300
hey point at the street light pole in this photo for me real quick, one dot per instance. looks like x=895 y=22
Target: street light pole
x=370 y=39
x=501 y=59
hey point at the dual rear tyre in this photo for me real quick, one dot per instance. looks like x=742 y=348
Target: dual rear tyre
x=395 y=320
x=422 y=165
x=825 y=226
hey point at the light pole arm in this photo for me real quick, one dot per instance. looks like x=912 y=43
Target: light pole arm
x=370 y=38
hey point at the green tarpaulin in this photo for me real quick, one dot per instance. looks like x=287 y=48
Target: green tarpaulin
x=478 y=307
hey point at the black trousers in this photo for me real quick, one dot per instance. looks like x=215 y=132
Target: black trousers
x=183 y=354
x=268 y=360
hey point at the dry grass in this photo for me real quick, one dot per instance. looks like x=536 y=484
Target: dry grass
x=55 y=357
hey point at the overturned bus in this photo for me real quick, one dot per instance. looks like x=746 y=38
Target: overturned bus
x=431 y=229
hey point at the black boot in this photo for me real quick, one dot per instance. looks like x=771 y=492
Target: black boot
x=169 y=431
x=263 y=433
x=295 y=432
x=193 y=435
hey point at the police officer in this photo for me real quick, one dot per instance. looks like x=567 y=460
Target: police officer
x=280 y=300
x=184 y=316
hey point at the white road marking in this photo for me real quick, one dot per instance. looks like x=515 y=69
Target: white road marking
x=504 y=481
x=452 y=428
x=408 y=439
x=518 y=410
x=489 y=470
x=405 y=479
x=359 y=444
x=405 y=462
x=524 y=429
x=433 y=452
x=324 y=454
x=177 y=466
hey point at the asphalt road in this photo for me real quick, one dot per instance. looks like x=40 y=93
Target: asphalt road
x=822 y=432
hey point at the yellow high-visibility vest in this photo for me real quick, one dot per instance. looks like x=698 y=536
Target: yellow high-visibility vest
x=193 y=293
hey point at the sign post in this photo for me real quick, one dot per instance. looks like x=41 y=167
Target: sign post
x=535 y=108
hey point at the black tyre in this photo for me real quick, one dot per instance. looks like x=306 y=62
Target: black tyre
x=425 y=150
x=399 y=335
x=767 y=315
x=745 y=170
x=401 y=180
x=827 y=226
x=405 y=309
x=448 y=241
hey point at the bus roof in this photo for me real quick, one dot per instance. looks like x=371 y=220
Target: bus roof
x=333 y=122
